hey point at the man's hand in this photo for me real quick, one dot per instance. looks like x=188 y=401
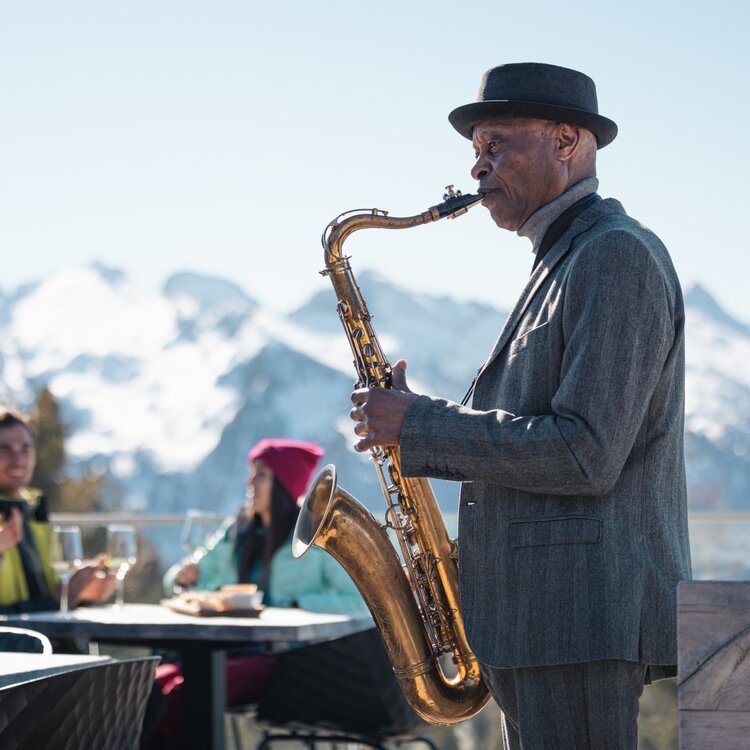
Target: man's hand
x=380 y=412
x=11 y=531
x=91 y=583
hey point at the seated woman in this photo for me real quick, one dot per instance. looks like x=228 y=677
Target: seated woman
x=27 y=581
x=257 y=548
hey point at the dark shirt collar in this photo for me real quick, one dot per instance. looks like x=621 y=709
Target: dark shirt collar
x=560 y=225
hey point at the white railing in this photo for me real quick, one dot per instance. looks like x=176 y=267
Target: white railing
x=136 y=519
x=720 y=546
x=720 y=542
x=719 y=517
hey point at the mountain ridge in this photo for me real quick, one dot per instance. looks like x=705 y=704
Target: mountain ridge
x=167 y=390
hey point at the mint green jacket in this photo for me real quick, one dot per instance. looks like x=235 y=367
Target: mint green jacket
x=315 y=582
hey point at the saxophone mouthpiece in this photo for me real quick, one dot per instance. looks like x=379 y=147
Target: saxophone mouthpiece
x=455 y=203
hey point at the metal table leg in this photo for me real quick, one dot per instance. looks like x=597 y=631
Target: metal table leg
x=204 y=696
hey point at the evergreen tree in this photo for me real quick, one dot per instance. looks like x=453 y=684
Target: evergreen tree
x=64 y=494
x=50 y=446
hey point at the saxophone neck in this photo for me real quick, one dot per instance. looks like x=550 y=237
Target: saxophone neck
x=454 y=204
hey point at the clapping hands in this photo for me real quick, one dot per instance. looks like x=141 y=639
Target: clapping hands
x=11 y=531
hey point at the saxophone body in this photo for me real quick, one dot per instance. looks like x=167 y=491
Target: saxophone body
x=415 y=605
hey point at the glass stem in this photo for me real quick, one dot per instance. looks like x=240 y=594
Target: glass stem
x=64 y=578
x=119 y=588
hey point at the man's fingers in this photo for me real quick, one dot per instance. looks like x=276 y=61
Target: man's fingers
x=364 y=445
x=398 y=376
x=359 y=396
x=361 y=429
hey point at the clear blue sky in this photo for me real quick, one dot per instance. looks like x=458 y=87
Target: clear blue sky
x=222 y=136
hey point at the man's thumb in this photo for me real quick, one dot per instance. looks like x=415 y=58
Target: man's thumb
x=398 y=376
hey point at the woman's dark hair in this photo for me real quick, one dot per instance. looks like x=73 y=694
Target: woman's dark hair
x=255 y=543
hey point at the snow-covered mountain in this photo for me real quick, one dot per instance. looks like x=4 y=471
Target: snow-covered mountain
x=717 y=425
x=167 y=391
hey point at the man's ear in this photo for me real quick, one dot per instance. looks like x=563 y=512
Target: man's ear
x=568 y=138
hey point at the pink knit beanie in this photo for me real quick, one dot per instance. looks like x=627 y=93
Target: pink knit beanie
x=292 y=462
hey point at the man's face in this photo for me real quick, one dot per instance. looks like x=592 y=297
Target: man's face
x=516 y=166
x=17 y=459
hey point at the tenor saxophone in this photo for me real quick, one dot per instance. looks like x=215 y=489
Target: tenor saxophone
x=415 y=605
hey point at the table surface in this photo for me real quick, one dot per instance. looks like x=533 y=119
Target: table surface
x=157 y=622
x=19 y=667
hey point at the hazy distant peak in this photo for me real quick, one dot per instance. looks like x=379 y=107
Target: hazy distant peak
x=207 y=291
x=699 y=298
x=21 y=291
x=111 y=275
x=374 y=278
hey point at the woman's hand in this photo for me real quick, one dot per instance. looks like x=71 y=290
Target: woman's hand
x=91 y=583
x=187 y=575
x=11 y=531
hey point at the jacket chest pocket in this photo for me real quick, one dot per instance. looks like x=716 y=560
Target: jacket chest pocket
x=536 y=336
x=541 y=532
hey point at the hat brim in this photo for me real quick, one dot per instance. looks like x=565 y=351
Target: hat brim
x=465 y=118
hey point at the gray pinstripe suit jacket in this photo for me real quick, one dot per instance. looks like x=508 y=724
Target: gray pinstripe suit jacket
x=573 y=513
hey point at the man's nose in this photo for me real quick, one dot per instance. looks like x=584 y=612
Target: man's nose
x=480 y=168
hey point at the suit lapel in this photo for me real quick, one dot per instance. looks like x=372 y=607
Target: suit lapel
x=555 y=255
x=535 y=281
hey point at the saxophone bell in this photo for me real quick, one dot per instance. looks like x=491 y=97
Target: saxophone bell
x=339 y=524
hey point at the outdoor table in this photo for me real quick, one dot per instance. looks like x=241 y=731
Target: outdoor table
x=18 y=667
x=202 y=643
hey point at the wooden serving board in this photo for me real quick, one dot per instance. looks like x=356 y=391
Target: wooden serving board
x=196 y=609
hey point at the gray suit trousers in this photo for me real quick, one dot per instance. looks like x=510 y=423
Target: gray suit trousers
x=587 y=706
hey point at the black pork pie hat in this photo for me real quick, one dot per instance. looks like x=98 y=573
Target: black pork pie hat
x=547 y=92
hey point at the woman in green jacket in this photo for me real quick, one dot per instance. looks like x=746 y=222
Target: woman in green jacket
x=257 y=547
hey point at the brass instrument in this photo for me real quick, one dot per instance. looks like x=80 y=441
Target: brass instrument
x=417 y=637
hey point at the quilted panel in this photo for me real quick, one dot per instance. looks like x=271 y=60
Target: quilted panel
x=99 y=708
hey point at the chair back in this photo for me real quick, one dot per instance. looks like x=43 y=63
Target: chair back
x=23 y=640
x=345 y=685
x=97 y=708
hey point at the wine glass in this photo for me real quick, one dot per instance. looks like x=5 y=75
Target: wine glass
x=197 y=529
x=122 y=552
x=66 y=556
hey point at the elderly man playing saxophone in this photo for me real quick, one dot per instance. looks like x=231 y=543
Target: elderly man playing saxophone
x=573 y=514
